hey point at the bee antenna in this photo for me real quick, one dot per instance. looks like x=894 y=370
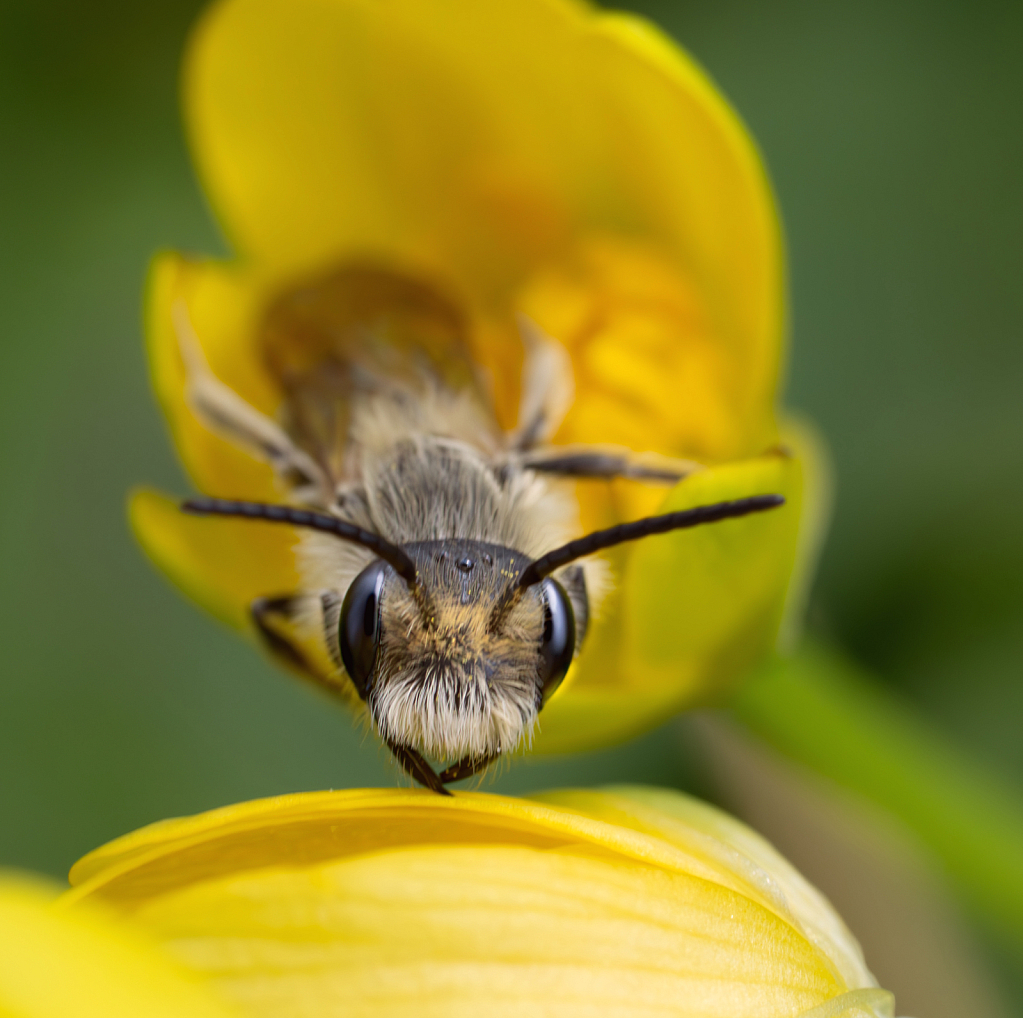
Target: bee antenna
x=601 y=539
x=390 y=553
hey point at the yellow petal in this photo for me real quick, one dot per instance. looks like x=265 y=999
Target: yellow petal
x=83 y=963
x=723 y=842
x=223 y=564
x=802 y=436
x=871 y=1003
x=714 y=593
x=479 y=141
x=404 y=903
x=224 y=305
x=304 y=828
x=498 y=931
x=692 y=611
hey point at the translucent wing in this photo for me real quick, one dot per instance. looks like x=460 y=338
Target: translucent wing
x=361 y=332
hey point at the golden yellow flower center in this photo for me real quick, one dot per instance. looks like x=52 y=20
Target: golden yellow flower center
x=650 y=374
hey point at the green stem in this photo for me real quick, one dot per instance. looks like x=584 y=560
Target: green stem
x=821 y=710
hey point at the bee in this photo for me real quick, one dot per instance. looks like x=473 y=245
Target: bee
x=437 y=558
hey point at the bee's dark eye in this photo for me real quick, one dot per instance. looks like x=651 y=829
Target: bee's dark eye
x=359 y=628
x=557 y=645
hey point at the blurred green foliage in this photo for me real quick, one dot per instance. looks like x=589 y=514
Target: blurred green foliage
x=892 y=133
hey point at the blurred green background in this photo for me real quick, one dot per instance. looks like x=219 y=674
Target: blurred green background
x=893 y=135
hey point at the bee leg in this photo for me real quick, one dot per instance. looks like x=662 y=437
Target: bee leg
x=466 y=768
x=263 y=611
x=416 y=767
x=607 y=464
x=271 y=617
x=225 y=413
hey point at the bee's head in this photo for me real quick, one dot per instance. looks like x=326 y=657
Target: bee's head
x=450 y=664
x=455 y=645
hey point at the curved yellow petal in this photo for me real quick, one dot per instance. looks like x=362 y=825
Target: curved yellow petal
x=84 y=963
x=724 y=842
x=692 y=610
x=478 y=142
x=685 y=594
x=502 y=930
x=224 y=305
x=223 y=564
x=802 y=436
x=307 y=827
x=402 y=902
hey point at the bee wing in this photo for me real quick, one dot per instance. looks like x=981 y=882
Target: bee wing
x=356 y=333
x=346 y=337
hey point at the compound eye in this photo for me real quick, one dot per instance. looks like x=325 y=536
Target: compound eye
x=557 y=645
x=359 y=627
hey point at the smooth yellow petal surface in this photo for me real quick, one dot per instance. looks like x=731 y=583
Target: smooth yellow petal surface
x=629 y=901
x=83 y=963
x=724 y=842
x=691 y=610
x=480 y=141
x=222 y=564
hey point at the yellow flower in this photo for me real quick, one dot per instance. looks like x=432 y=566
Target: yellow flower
x=625 y=901
x=84 y=963
x=533 y=156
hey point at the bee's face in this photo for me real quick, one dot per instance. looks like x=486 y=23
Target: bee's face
x=444 y=673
